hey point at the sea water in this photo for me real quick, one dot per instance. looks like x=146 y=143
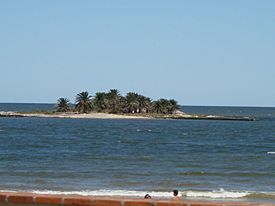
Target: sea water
x=203 y=159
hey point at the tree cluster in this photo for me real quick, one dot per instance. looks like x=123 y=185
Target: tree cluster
x=113 y=102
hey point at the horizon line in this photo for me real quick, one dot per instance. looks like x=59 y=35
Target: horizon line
x=186 y=105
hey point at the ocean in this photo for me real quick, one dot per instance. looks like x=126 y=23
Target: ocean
x=203 y=159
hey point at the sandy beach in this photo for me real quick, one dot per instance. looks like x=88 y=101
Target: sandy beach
x=19 y=198
x=75 y=115
x=98 y=115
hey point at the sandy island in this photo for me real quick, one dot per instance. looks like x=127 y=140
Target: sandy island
x=97 y=115
x=94 y=115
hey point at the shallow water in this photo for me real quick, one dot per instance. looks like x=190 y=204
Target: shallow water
x=201 y=158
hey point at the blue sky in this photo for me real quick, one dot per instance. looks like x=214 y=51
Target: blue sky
x=197 y=52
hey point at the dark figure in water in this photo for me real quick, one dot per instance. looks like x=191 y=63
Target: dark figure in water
x=175 y=194
x=147 y=196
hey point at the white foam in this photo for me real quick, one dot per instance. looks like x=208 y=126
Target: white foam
x=220 y=194
x=118 y=193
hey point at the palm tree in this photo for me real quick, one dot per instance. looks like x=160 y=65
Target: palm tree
x=161 y=106
x=113 y=93
x=157 y=106
x=63 y=105
x=100 y=101
x=144 y=103
x=132 y=102
x=83 y=102
x=165 y=106
x=115 y=101
x=173 y=106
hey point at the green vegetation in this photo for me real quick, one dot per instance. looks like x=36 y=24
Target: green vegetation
x=83 y=102
x=63 y=105
x=113 y=102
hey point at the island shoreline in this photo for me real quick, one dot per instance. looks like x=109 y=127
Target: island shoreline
x=98 y=115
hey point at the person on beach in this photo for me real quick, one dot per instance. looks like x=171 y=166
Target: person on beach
x=175 y=195
x=147 y=196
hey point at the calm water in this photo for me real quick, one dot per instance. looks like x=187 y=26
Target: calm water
x=203 y=159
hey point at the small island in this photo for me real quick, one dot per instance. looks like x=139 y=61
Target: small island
x=113 y=105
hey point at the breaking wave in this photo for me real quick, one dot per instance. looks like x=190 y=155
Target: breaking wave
x=215 y=194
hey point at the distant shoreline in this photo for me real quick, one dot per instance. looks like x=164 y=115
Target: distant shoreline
x=185 y=105
x=98 y=115
x=93 y=115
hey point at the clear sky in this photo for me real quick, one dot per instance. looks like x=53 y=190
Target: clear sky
x=197 y=52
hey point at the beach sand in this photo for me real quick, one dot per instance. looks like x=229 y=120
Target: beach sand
x=93 y=115
x=24 y=198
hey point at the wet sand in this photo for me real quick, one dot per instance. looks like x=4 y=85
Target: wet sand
x=26 y=198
